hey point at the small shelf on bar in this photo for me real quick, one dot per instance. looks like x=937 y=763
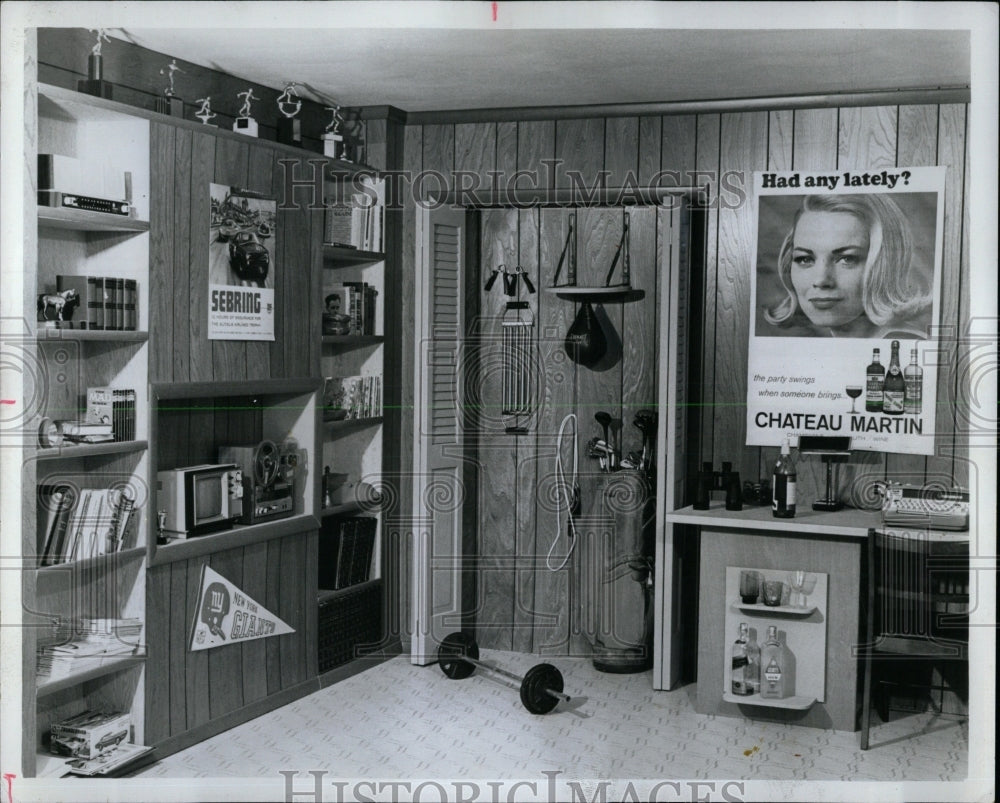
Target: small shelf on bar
x=341 y=256
x=107 y=666
x=61 y=217
x=598 y=293
x=784 y=610
x=76 y=450
x=789 y=703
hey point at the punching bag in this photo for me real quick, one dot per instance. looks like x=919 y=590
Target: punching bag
x=585 y=340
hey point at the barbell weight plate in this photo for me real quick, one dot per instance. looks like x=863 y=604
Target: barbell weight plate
x=451 y=652
x=534 y=696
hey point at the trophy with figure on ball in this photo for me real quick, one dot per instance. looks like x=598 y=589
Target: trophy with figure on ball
x=289 y=126
x=245 y=124
x=94 y=84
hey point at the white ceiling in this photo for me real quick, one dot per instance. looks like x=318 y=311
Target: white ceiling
x=443 y=68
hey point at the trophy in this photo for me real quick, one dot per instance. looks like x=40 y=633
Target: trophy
x=289 y=127
x=95 y=83
x=332 y=138
x=245 y=124
x=169 y=103
x=205 y=112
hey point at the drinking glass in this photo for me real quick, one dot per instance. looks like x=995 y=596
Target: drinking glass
x=749 y=587
x=853 y=391
x=773 y=590
x=802 y=584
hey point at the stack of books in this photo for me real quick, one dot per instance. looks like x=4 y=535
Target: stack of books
x=357 y=301
x=78 y=523
x=86 y=431
x=103 y=303
x=352 y=397
x=85 y=644
x=357 y=220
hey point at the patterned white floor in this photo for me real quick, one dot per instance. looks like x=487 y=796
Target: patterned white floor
x=401 y=721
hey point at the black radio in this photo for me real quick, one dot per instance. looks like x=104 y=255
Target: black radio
x=84 y=202
x=268 y=480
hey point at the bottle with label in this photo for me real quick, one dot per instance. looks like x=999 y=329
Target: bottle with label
x=894 y=395
x=778 y=668
x=875 y=384
x=913 y=376
x=751 y=673
x=783 y=485
x=737 y=674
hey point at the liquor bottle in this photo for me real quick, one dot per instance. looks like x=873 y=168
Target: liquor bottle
x=913 y=376
x=777 y=677
x=737 y=673
x=751 y=672
x=875 y=384
x=783 y=485
x=894 y=395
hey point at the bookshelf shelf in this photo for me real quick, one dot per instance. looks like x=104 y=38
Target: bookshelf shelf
x=352 y=340
x=351 y=423
x=97 y=335
x=59 y=217
x=77 y=450
x=89 y=563
x=108 y=666
x=339 y=256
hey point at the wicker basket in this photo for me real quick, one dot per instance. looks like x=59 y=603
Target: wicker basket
x=349 y=622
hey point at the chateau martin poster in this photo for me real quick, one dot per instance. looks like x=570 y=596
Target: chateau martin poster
x=845 y=306
x=241 y=269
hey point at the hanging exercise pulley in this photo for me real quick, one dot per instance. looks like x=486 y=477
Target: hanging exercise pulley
x=541 y=688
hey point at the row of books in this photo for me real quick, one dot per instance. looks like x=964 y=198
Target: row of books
x=102 y=302
x=80 y=645
x=349 y=308
x=79 y=523
x=346 y=554
x=357 y=220
x=352 y=397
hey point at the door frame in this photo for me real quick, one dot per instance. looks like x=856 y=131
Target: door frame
x=671 y=453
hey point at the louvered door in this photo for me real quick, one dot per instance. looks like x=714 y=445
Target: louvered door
x=438 y=493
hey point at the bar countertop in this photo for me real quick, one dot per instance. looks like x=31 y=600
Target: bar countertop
x=847 y=523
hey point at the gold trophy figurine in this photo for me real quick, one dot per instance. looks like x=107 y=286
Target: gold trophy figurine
x=95 y=84
x=289 y=126
x=245 y=124
x=204 y=112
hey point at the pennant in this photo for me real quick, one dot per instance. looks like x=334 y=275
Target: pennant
x=225 y=615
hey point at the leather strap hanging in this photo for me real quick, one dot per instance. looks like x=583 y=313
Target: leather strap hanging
x=621 y=251
x=568 y=247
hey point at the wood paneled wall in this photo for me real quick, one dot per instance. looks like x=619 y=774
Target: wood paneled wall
x=521 y=604
x=187 y=690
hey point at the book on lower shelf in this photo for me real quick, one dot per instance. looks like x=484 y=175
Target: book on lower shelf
x=104 y=303
x=79 y=523
x=356 y=219
x=346 y=552
x=352 y=397
x=349 y=308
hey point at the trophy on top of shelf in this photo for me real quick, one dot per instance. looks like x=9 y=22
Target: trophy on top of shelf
x=332 y=138
x=169 y=103
x=95 y=84
x=244 y=123
x=204 y=112
x=289 y=126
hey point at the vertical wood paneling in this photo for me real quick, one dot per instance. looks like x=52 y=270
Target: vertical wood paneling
x=260 y=174
x=181 y=298
x=291 y=609
x=780 y=139
x=254 y=669
x=743 y=147
x=439 y=156
x=867 y=137
x=225 y=663
x=195 y=685
x=580 y=150
x=639 y=341
x=815 y=139
x=157 y=709
x=272 y=602
x=475 y=153
x=293 y=285
x=175 y=710
x=952 y=417
x=162 y=155
x=707 y=173
x=310 y=610
x=621 y=150
x=650 y=137
x=497 y=448
x=199 y=207
x=535 y=145
x=229 y=357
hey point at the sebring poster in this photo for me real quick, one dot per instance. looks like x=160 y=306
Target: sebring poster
x=845 y=307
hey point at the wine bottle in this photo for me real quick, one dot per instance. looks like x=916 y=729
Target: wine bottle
x=783 y=485
x=894 y=395
x=875 y=384
x=774 y=683
x=737 y=673
x=751 y=672
x=913 y=376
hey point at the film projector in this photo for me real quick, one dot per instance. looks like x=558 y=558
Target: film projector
x=268 y=479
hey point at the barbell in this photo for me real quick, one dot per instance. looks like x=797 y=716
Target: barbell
x=541 y=688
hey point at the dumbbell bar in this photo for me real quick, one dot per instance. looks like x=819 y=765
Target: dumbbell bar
x=541 y=688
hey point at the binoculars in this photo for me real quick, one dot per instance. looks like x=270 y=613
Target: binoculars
x=726 y=480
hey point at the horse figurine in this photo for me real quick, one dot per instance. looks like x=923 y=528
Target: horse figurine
x=58 y=302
